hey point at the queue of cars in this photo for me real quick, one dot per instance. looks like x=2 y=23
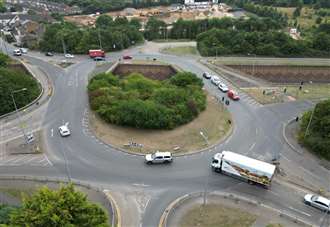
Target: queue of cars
x=232 y=94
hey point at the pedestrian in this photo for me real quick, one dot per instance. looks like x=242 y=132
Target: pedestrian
x=297 y=118
x=284 y=90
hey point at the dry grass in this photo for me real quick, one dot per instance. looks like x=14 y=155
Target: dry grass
x=213 y=122
x=214 y=215
x=309 y=91
x=180 y=50
x=287 y=10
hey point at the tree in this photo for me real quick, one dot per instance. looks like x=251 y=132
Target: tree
x=104 y=21
x=62 y=207
x=154 y=29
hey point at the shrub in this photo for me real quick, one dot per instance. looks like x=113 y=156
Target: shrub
x=140 y=102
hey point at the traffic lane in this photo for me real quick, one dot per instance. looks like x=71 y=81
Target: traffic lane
x=281 y=198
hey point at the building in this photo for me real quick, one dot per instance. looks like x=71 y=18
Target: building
x=200 y=2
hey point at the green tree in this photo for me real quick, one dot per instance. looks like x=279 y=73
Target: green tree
x=63 y=207
x=154 y=29
x=104 y=21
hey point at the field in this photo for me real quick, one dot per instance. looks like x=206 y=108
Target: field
x=213 y=122
x=216 y=215
x=180 y=50
x=276 y=94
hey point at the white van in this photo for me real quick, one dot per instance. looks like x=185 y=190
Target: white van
x=17 y=52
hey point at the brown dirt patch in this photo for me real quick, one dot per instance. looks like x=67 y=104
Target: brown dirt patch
x=286 y=74
x=213 y=122
x=152 y=71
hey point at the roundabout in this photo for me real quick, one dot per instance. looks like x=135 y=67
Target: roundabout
x=143 y=192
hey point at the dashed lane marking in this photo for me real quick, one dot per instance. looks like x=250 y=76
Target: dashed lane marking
x=299 y=211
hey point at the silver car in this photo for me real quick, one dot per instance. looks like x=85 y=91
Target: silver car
x=223 y=87
x=159 y=157
x=215 y=80
x=318 y=202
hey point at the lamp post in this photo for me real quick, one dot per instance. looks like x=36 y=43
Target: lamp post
x=253 y=65
x=204 y=137
x=16 y=110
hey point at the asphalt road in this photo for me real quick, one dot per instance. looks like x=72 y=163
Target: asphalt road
x=257 y=133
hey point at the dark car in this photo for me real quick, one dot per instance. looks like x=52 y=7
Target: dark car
x=99 y=59
x=127 y=57
x=49 y=54
x=207 y=75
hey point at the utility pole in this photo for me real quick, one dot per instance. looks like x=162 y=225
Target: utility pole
x=63 y=45
x=309 y=123
x=17 y=112
x=99 y=35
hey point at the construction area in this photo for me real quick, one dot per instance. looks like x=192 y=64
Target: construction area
x=168 y=14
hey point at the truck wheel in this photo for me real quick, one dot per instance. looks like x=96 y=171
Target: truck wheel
x=149 y=162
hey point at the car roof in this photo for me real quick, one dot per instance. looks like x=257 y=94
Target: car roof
x=323 y=200
x=64 y=128
x=163 y=153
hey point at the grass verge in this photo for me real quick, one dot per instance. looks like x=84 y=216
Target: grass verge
x=180 y=50
x=213 y=122
x=276 y=94
x=214 y=215
x=18 y=193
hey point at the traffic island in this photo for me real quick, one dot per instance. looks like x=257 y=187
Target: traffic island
x=215 y=124
x=142 y=108
x=223 y=209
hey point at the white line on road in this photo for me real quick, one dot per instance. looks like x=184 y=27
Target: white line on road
x=252 y=146
x=299 y=211
x=50 y=163
x=19 y=159
x=52 y=132
x=285 y=158
x=310 y=173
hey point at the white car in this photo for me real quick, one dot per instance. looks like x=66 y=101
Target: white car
x=215 y=80
x=17 y=52
x=69 y=55
x=64 y=130
x=223 y=87
x=159 y=157
x=23 y=50
x=318 y=202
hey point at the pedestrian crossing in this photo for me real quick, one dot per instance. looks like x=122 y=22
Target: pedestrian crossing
x=39 y=160
x=249 y=100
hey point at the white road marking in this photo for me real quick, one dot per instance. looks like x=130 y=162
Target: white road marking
x=50 y=163
x=299 y=211
x=285 y=158
x=30 y=159
x=52 y=132
x=252 y=146
x=19 y=159
x=309 y=172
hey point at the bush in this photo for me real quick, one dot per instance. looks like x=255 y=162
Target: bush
x=11 y=80
x=5 y=211
x=140 y=102
x=318 y=135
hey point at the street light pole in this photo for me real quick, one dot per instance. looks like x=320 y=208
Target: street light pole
x=310 y=121
x=16 y=110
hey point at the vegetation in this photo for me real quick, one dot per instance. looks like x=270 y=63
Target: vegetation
x=110 y=34
x=92 y=6
x=181 y=50
x=217 y=215
x=317 y=138
x=285 y=3
x=12 y=80
x=144 y=103
x=5 y=211
x=63 y=207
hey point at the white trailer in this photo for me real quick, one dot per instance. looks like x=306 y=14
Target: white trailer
x=249 y=169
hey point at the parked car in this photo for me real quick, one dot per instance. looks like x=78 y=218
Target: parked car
x=17 y=52
x=99 y=59
x=49 y=54
x=69 y=55
x=127 y=57
x=207 y=75
x=158 y=157
x=223 y=87
x=23 y=50
x=215 y=80
x=317 y=201
x=64 y=130
x=233 y=95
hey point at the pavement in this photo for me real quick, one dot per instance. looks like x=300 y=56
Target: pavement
x=144 y=192
x=264 y=216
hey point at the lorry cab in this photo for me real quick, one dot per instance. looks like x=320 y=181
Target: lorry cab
x=216 y=162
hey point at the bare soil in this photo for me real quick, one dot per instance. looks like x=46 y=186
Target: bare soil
x=286 y=74
x=213 y=122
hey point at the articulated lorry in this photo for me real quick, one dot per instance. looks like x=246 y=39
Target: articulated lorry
x=240 y=166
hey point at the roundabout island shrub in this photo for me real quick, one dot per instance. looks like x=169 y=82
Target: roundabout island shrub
x=140 y=102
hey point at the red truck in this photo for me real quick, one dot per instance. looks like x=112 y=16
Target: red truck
x=96 y=53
